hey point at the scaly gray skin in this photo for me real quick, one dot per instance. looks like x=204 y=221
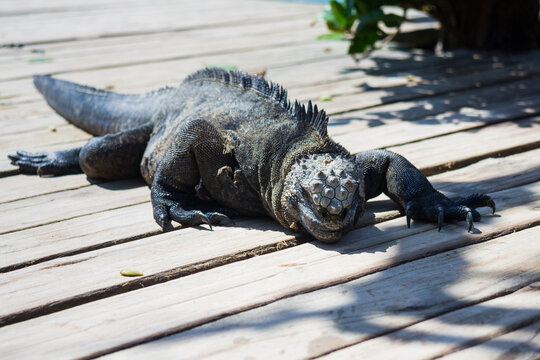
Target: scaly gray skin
x=226 y=143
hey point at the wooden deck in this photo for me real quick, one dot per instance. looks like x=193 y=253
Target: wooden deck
x=471 y=121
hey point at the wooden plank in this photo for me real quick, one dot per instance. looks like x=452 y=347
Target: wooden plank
x=462 y=148
x=374 y=66
x=132 y=50
x=208 y=295
x=25 y=186
x=401 y=133
x=77 y=235
x=46 y=27
x=436 y=337
x=477 y=78
x=520 y=344
x=492 y=174
x=36 y=6
x=28 y=117
x=93 y=231
x=128 y=78
x=472 y=102
x=308 y=325
x=50 y=208
x=450 y=67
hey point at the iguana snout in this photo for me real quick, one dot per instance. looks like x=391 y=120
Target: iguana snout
x=327 y=197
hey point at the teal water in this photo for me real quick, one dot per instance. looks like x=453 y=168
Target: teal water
x=310 y=1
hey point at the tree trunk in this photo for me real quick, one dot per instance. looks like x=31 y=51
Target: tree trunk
x=487 y=24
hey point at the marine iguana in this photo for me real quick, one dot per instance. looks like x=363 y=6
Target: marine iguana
x=225 y=143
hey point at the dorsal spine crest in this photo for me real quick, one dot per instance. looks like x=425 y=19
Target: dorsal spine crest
x=310 y=116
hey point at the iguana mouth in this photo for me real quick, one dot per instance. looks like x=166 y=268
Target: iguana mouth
x=327 y=229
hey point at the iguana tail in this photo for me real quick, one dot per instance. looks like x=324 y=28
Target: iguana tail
x=97 y=111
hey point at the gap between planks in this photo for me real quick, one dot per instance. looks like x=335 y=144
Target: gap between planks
x=520 y=344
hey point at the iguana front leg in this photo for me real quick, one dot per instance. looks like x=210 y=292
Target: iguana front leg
x=387 y=172
x=196 y=153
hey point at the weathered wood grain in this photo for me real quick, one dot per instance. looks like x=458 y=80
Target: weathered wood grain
x=121 y=51
x=209 y=295
x=462 y=148
x=128 y=78
x=492 y=174
x=482 y=102
x=520 y=344
x=25 y=186
x=434 y=72
x=436 y=337
x=44 y=209
x=46 y=27
x=308 y=325
x=430 y=87
x=58 y=6
x=401 y=133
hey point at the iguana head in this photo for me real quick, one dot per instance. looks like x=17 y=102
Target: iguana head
x=324 y=195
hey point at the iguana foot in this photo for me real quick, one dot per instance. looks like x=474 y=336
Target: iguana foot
x=42 y=163
x=164 y=214
x=438 y=208
x=186 y=210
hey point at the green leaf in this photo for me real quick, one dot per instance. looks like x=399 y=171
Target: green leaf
x=40 y=60
x=224 y=66
x=331 y=22
x=130 y=272
x=332 y=36
x=361 y=8
x=340 y=13
x=392 y=20
x=349 y=5
x=363 y=40
x=370 y=20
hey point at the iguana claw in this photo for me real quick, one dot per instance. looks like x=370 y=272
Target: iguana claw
x=470 y=220
x=491 y=204
x=205 y=219
x=440 y=218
